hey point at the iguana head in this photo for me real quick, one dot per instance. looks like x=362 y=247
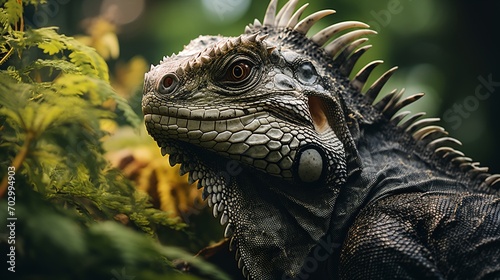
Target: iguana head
x=259 y=120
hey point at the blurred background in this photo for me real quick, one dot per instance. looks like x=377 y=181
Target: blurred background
x=443 y=48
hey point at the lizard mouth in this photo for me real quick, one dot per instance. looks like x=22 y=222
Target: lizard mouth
x=318 y=115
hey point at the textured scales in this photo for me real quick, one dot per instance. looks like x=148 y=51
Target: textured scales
x=311 y=179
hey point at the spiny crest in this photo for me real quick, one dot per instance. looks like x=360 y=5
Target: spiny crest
x=219 y=49
x=345 y=50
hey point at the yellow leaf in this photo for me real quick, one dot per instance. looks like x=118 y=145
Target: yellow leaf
x=107 y=46
x=51 y=47
x=108 y=125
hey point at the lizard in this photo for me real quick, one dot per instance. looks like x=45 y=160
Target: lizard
x=312 y=178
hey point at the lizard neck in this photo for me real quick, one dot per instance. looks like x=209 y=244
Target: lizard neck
x=391 y=162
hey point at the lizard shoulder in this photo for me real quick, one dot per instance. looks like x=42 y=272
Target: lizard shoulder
x=417 y=235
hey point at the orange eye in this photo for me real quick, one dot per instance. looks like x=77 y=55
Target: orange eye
x=239 y=71
x=168 y=83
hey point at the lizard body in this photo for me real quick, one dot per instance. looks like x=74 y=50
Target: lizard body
x=311 y=179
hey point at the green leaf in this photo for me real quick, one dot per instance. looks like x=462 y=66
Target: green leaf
x=52 y=47
x=57 y=235
x=72 y=84
x=57 y=64
x=129 y=114
x=10 y=14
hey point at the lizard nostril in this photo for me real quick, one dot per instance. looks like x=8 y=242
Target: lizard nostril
x=168 y=83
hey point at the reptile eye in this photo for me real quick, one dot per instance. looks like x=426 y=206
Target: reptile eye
x=237 y=74
x=168 y=83
x=306 y=73
x=238 y=71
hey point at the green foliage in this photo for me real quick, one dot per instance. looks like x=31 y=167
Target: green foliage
x=53 y=123
x=52 y=244
x=10 y=13
x=54 y=98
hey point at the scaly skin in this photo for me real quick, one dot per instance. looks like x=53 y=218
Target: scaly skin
x=295 y=160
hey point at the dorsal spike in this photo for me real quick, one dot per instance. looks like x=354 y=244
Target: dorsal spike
x=342 y=57
x=270 y=16
x=451 y=155
x=492 y=179
x=374 y=90
x=347 y=66
x=338 y=44
x=399 y=117
x=295 y=17
x=204 y=58
x=442 y=151
x=280 y=12
x=420 y=123
x=461 y=160
x=187 y=67
x=251 y=37
x=434 y=134
x=270 y=49
x=448 y=153
x=286 y=13
x=411 y=120
x=237 y=40
x=261 y=38
x=363 y=74
x=442 y=141
x=257 y=23
x=304 y=25
x=211 y=53
x=224 y=47
x=385 y=100
x=395 y=98
x=475 y=171
x=179 y=71
x=325 y=34
x=389 y=112
x=483 y=169
x=465 y=166
x=428 y=130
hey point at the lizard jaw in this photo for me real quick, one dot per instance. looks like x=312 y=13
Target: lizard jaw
x=215 y=187
x=213 y=183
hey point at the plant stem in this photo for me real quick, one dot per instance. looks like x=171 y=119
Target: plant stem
x=17 y=162
x=6 y=56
